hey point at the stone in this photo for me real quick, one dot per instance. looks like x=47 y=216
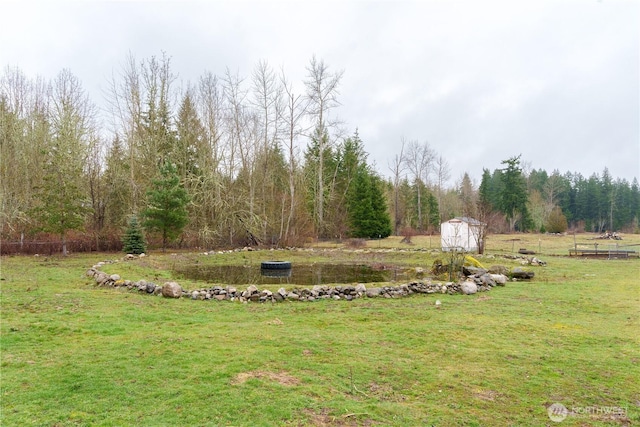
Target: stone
x=373 y=292
x=293 y=296
x=519 y=273
x=101 y=278
x=195 y=295
x=487 y=280
x=220 y=297
x=360 y=288
x=468 y=287
x=282 y=292
x=498 y=269
x=171 y=290
x=471 y=271
x=500 y=279
x=252 y=289
x=419 y=270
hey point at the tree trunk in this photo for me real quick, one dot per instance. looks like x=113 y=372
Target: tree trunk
x=64 y=244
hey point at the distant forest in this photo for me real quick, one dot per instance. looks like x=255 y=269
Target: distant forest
x=260 y=164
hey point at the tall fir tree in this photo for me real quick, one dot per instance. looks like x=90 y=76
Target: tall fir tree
x=513 y=198
x=167 y=205
x=368 y=215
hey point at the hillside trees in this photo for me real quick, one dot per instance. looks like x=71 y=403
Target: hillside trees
x=25 y=129
x=261 y=158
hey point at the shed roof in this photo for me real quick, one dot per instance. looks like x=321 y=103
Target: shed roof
x=468 y=220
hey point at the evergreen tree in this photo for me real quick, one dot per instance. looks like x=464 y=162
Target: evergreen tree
x=133 y=239
x=63 y=203
x=367 y=207
x=167 y=205
x=513 y=198
x=433 y=214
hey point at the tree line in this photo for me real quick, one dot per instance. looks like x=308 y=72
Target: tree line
x=261 y=161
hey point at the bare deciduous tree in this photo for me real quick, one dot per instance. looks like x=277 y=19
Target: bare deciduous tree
x=322 y=95
x=419 y=160
x=397 y=167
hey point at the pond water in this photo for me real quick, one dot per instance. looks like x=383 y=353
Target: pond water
x=301 y=275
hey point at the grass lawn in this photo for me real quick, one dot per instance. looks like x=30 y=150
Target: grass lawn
x=73 y=354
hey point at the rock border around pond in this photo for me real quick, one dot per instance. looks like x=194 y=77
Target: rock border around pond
x=478 y=281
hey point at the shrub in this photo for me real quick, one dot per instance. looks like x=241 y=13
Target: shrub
x=557 y=222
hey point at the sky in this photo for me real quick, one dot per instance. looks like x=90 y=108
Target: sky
x=556 y=82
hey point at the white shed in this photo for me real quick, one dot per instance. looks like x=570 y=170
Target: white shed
x=461 y=233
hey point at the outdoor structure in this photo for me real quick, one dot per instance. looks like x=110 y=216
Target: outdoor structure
x=461 y=234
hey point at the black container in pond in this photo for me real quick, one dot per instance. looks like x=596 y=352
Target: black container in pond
x=300 y=275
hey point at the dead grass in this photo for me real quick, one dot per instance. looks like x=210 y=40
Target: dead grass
x=323 y=418
x=282 y=377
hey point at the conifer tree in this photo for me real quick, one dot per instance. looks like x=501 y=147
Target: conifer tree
x=367 y=208
x=167 y=205
x=133 y=238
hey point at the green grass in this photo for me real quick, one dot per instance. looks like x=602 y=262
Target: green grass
x=73 y=354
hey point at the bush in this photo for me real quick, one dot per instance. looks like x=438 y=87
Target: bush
x=557 y=222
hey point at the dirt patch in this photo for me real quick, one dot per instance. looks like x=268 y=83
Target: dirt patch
x=323 y=419
x=488 y=395
x=282 y=377
x=385 y=392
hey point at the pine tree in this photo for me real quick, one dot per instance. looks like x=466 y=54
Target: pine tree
x=367 y=208
x=167 y=205
x=133 y=239
x=513 y=200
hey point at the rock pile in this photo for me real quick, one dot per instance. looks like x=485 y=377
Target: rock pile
x=477 y=281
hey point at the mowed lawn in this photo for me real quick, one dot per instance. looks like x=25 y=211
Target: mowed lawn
x=73 y=354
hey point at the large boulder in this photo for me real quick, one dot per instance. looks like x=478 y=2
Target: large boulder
x=519 y=273
x=171 y=290
x=373 y=292
x=468 y=287
x=498 y=269
x=500 y=279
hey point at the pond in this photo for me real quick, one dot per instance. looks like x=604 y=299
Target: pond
x=300 y=275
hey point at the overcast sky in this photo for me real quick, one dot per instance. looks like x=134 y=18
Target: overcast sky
x=480 y=81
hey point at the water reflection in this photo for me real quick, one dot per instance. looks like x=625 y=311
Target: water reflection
x=301 y=275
